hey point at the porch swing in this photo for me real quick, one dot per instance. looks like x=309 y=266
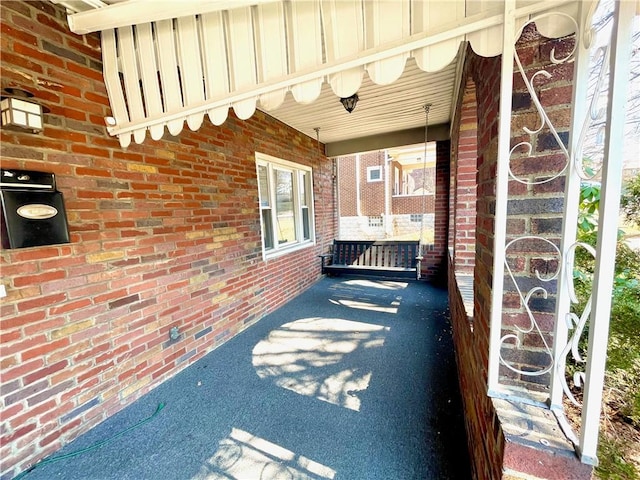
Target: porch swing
x=381 y=258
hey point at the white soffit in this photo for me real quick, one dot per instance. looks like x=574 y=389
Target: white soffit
x=177 y=61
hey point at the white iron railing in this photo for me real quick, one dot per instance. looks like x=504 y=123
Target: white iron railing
x=569 y=327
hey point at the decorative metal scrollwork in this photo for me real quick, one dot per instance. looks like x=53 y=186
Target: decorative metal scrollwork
x=575 y=323
x=595 y=113
x=544 y=121
x=544 y=118
x=533 y=323
x=566 y=360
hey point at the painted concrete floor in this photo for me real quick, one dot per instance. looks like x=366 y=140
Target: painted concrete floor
x=353 y=379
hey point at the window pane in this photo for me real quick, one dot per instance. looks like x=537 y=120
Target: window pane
x=267 y=232
x=263 y=185
x=304 y=203
x=303 y=189
x=284 y=206
x=305 y=223
x=374 y=174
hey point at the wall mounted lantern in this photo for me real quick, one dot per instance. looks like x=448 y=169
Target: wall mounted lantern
x=349 y=103
x=20 y=112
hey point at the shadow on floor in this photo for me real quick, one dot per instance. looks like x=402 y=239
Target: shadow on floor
x=353 y=379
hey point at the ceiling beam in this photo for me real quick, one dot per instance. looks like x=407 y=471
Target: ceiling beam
x=134 y=12
x=387 y=140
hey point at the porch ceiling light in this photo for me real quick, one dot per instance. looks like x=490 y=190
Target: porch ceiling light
x=19 y=112
x=349 y=103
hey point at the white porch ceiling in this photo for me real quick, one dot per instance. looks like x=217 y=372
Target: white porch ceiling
x=381 y=109
x=376 y=38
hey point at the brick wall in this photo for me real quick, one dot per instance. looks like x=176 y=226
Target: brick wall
x=485 y=440
x=434 y=265
x=495 y=450
x=164 y=234
x=372 y=193
x=482 y=424
x=452 y=191
x=500 y=447
x=465 y=189
x=405 y=204
x=347 y=186
x=537 y=208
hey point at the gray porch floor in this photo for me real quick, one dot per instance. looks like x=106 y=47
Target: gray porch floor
x=353 y=379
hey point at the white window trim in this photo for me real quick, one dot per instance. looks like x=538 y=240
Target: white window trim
x=371 y=169
x=270 y=162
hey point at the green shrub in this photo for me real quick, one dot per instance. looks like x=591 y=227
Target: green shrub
x=613 y=465
x=630 y=202
x=623 y=359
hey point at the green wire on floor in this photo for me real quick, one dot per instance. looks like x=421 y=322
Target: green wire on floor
x=91 y=447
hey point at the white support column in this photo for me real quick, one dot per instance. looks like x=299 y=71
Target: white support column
x=502 y=193
x=607 y=228
x=387 y=177
x=571 y=202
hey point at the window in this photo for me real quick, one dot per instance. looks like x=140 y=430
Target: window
x=374 y=174
x=375 y=221
x=416 y=217
x=286 y=206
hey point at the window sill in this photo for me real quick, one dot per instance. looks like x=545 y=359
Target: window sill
x=271 y=254
x=411 y=195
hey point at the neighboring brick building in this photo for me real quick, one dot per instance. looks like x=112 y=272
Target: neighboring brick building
x=382 y=195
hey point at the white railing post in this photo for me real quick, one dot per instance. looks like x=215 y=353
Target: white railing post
x=607 y=228
x=502 y=192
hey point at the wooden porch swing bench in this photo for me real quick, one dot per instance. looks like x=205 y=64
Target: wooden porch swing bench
x=385 y=258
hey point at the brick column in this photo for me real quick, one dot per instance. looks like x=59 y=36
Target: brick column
x=466 y=183
x=434 y=266
x=511 y=440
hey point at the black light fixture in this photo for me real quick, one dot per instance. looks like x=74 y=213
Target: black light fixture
x=349 y=103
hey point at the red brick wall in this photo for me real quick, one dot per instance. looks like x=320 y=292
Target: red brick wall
x=486 y=74
x=163 y=234
x=452 y=191
x=484 y=437
x=404 y=204
x=536 y=209
x=434 y=265
x=348 y=186
x=372 y=193
x=466 y=183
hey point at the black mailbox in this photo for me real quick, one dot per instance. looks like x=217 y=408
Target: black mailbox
x=32 y=209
